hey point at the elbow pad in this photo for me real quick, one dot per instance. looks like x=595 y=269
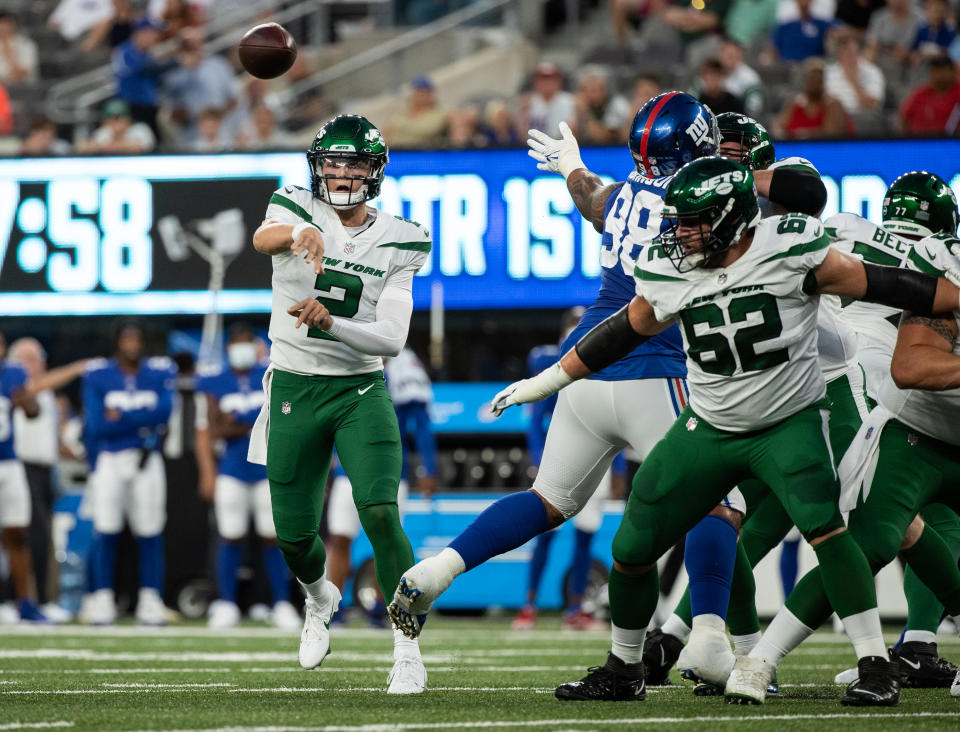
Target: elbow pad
x=900 y=288
x=608 y=341
x=797 y=191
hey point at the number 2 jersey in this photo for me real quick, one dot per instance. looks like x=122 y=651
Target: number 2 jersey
x=356 y=270
x=631 y=221
x=750 y=329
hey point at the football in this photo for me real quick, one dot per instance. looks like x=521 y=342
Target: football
x=267 y=50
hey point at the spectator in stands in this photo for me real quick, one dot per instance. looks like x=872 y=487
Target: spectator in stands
x=937 y=32
x=263 y=132
x=138 y=72
x=42 y=139
x=499 y=127
x=202 y=82
x=741 y=80
x=748 y=21
x=89 y=19
x=856 y=14
x=627 y=13
x=812 y=112
x=933 y=108
x=463 y=127
x=6 y=112
x=691 y=21
x=709 y=88
x=548 y=104
x=851 y=79
x=176 y=15
x=892 y=31
x=600 y=116
x=119 y=133
x=18 y=54
x=803 y=37
x=424 y=121
x=120 y=27
x=645 y=87
x=212 y=136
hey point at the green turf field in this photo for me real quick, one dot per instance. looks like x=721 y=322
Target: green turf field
x=481 y=675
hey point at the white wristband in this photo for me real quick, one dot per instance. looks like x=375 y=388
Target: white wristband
x=569 y=161
x=547 y=383
x=300 y=228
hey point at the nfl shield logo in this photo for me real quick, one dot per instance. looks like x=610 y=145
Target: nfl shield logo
x=912 y=439
x=692 y=424
x=869 y=433
x=349 y=247
x=285 y=408
x=722 y=278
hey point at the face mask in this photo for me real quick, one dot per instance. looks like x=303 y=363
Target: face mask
x=241 y=356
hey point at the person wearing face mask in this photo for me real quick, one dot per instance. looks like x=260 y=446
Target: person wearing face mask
x=234 y=395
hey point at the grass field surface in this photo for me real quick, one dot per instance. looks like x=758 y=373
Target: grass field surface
x=481 y=675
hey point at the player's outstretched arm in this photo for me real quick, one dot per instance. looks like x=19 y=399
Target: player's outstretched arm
x=606 y=343
x=274 y=237
x=563 y=156
x=903 y=289
x=923 y=357
x=797 y=191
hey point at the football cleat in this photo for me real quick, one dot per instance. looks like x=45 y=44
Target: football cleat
x=413 y=598
x=749 y=680
x=706 y=657
x=150 y=607
x=660 y=652
x=408 y=676
x=847 y=677
x=99 y=608
x=315 y=638
x=614 y=681
x=29 y=612
x=921 y=666
x=581 y=620
x=285 y=616
x=705 y=689
x=525 y=619
x=223 y=614
x=955 y=686
x=878 y=684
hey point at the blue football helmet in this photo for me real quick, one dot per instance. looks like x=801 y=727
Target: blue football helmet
x=669 y=131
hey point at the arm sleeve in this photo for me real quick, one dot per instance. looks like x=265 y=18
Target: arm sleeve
x=386 y=335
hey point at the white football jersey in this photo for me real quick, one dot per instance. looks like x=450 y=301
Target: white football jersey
x=935 y=413
x=356 y=269
x=749 y=330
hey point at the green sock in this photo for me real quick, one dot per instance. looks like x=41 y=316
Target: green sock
x=846 y=575
x=936 y=567
x=392 y=553
x=742 y=612
x=682 y=610
x=808 y=601
x=924 y=610
x=633 y=598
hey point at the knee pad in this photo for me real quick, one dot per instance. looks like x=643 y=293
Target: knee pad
x=880 y=544
x=379 y=520
x=632 y=546
x=297 y=546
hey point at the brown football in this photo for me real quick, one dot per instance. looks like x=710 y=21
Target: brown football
x=267 y=51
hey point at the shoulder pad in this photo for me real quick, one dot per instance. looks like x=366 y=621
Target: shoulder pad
x=839 y=224
x=209 y=370
x=795 y=163
x=161 y=363
x=97 y=364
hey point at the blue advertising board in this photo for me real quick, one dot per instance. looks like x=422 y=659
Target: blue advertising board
x=112 y=235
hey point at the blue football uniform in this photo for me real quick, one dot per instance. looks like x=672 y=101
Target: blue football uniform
x=631 y=221
x=242 y=396
x=12 y=379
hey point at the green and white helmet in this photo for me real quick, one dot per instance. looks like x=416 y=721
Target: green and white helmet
x=717 y=196
x=919 y=204
x=756 y=147
x=347 y=140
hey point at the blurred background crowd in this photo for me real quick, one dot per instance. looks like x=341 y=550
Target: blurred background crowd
x=130 y=76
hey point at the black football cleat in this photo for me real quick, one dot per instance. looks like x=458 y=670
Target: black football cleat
x=878 y=685
x=660 y=653
x=614 y=681
x=921 y=666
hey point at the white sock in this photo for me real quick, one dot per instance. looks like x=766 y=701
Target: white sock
x=865 y=633
x=449 y=565
x=677 y=628
x=919 y=636
x=627 y=643
x=743 y=644
x=784 y=633
x=404 y=647
x=317 y=590
x=709 y=621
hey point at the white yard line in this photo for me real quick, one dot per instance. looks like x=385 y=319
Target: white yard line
x=35 y=725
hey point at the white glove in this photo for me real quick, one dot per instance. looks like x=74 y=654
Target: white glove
x=547 y=383
x=556 y=156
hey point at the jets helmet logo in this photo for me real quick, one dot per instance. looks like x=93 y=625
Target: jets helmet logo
x=374 y=137
x=722 y=184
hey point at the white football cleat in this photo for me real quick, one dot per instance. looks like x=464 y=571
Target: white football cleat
x=847 y=677
x=749 y=680
x=223 y=614
x=955 y=686
x=419 y=586
x=408 y=676
x=9 y=614
x=707 y=657
x=285 y=616
x=99 y=608
x=150 y=608
x=56 y=614
x=315 y=638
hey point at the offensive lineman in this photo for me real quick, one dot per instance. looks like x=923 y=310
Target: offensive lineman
x=342 y=300
x=757 y=392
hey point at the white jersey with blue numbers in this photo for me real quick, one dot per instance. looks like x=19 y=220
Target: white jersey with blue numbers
x=240 y=395
x=749 y=329
x=142 y=402
x=12 y=379
x=630 y=224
